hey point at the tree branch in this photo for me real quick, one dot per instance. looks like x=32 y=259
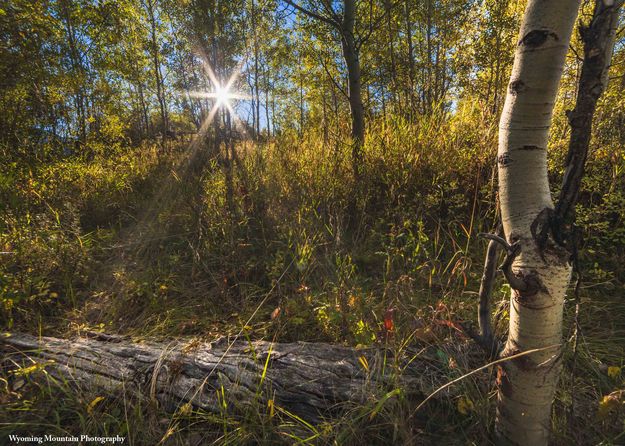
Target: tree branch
x=486 y=338
x=496 y=238
x=512 y=251
x=515 y=281
x=325 y=68
x=598 y=39
x=327 y=5
x=373 y=24
x=314 y=15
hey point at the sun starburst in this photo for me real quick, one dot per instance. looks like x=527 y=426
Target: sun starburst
x=222 y=94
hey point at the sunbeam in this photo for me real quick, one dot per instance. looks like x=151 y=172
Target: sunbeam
x=222 y=94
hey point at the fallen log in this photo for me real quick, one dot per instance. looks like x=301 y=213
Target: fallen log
x=310 y=380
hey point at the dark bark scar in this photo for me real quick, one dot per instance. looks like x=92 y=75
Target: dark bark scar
x=537 y=38
x=529 y=147
x=540 y=228
x=516 y=87
x=504 y=160
x=503 y=382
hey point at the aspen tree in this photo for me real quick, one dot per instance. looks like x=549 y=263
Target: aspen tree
x=540 y=271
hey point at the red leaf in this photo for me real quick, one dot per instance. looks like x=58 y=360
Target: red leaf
x=275 y=313
x=451 y=324
x=388 y=320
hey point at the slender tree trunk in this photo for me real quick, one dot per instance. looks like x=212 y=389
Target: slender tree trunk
x=229 y=164
x=158 y=77
x=438 y=74
x=542 y=271
x=144 y=107
x=411 y=64
x=145 y=122
x=391 y=48
x=428 y=63
x=273 y=114
x=250 y=83
x=77 y=68
x=187 y=101
x=267 y=107
x=383 y=95
x=352 y=62
x=324 y=119
x=301 y=104
x=495 y=104
x=256 y=70
x=598 y=39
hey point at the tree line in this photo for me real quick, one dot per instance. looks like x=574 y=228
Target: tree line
x=80 y=72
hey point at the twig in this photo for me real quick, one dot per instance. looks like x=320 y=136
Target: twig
x=486 y=338
x=496 y=238
x=330 y=21
x=473 y=372
x=578 y=285
x=512 y=251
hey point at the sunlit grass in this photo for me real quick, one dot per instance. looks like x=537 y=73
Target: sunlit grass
x=152 y=250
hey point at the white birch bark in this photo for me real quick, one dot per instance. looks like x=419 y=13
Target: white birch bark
x=527 y=385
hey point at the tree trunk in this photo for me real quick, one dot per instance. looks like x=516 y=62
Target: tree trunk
x=158 y=76
x=495 y=104
x=598 y=39
x=256 y=71
x=267 y=87
x=351 y=47
x=391 y=50
x=352 y=62
x=301 y=104
x=310 y=380
x=144 y=107
x=411 y=63
x=78 y=70
x=527 y=385
x=428 y=63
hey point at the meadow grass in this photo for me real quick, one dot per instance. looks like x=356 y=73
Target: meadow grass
x=139 y=243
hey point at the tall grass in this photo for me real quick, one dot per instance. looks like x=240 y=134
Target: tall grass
x=314 y=255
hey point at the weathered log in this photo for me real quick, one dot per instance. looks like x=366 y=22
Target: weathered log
x=310 y=380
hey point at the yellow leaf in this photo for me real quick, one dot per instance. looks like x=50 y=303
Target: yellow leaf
x=351 y=301
x=364 y=363
x=614 y=372
x=465 y=405
x=94 y=403
x=31 y=369
x=185 y=410
x=271 y=407
x=606 y=405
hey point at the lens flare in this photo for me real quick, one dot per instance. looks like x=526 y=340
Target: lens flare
x=222 y=94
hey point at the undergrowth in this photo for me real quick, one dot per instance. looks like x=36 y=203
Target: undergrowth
x=144 y=242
